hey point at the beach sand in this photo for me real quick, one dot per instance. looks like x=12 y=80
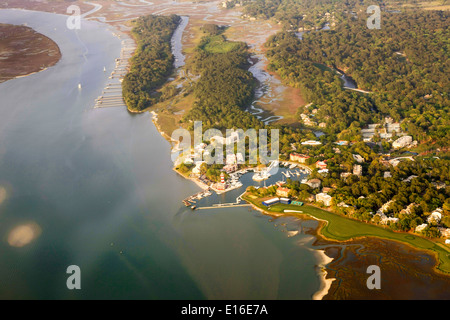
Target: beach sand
x=325 y=282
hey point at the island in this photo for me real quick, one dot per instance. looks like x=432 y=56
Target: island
x=24 y=51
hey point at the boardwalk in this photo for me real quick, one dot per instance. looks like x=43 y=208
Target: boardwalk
x=226 y=205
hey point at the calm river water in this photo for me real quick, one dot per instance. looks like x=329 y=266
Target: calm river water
x=98 y=184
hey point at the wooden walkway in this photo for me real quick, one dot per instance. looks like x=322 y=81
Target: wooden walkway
x=226 y=205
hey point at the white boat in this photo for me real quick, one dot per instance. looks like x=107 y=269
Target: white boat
x=260 y=176
x=79 y=86
x=292 y=166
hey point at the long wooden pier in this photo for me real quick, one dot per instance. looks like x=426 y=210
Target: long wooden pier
x=226 y=205
x=112 y=94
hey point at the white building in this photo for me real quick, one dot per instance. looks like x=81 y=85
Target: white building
x=311 y=143
x=325 y=198
x=445 y=232
x=357 y=169
x=385 y=219
x=402 y=142
x=421 y=227
x=385 y=207
x=358 y=158
x=435 y=216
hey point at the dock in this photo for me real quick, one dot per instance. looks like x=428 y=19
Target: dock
x=226 y=205
x=189 y=201
x=112 y=94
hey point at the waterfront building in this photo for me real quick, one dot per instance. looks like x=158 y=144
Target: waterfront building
x=270 y=202
x=285 y=200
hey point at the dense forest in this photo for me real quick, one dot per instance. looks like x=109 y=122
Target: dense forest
x=152 y=63
x=405 y=64
x=322 y=87
x=225 y=86
x=310 y=15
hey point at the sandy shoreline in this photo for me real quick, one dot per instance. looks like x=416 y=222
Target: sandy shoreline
x=323 y=260
x=325 y=282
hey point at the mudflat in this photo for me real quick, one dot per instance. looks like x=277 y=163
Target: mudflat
x=24 y=51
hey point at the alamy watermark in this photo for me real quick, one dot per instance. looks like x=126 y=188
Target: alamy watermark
x=374 y=281
x=374 y=21
x=74 y=280
x=73 y=22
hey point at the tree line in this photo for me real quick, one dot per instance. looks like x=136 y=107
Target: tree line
x=152 y=62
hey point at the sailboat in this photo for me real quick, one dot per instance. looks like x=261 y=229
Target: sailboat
x=79 y=86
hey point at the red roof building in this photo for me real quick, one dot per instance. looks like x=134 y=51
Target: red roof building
x=283 y=192
x=298 y=157
x=321 y=165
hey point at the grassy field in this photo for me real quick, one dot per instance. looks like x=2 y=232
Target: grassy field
x=341 y=228
x=217 y=44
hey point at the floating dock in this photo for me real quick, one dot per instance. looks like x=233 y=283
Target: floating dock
x=112 y=94
x=189 y=201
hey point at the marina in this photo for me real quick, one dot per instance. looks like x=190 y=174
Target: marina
x=217 y=193
x=190 y=201
x=112 y=93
